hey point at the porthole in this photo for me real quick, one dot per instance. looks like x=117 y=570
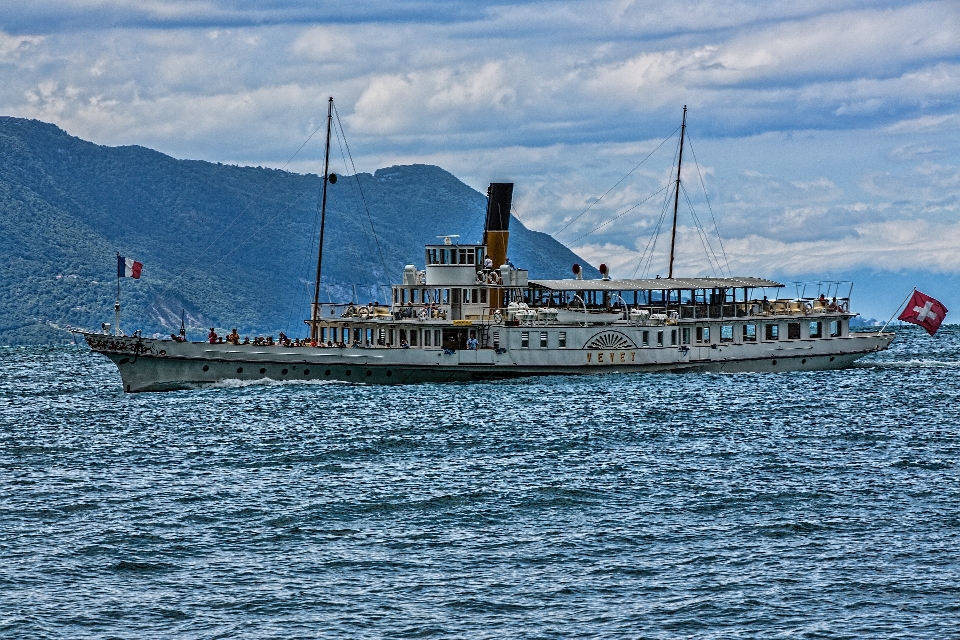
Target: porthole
x=774 y=362
x=262 y=371
x=126 y=360
x=369 y=373
x=306 y=372
x=239 y=369
x=389 y=373
x=804 y=361
x=831 y=358
x=283 y=372
x=163 y=352
x=206 y=367
x=327 y=372
x=347 y=372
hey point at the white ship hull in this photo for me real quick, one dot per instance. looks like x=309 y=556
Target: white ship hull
x=147 y=364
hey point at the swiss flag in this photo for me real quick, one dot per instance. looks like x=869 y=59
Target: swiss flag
x=925 y=311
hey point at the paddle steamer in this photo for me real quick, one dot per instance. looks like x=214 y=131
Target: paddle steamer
x=460 y=319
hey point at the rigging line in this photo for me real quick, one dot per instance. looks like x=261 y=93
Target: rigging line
x=652 y=240
x=702 y=234
x=303 y=275
x=258 y=230
x=616 y=185
x=241 y=214
x=663 y=212
x=716 y=228
x=343 y=135
x=619 y=216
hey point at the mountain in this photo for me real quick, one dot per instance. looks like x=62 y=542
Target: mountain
x=229 y=246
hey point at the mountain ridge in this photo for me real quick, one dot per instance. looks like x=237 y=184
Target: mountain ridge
x=227 y=245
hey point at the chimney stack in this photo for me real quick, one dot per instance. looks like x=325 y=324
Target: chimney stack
x=496 y=232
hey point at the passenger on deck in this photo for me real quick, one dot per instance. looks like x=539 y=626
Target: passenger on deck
x=234 y=337
x=510 y=264
x=246 y=340
x=270 y=342
x=404 y=344
x=472 y=343
x=212 y=336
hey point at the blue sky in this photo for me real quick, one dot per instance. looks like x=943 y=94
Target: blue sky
x=826 y=132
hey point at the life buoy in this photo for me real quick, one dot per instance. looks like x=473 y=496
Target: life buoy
x=498 y=317
x=364 y=312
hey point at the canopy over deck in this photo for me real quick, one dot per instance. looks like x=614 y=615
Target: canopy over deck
x=654 y=284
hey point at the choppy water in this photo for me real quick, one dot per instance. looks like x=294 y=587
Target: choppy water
x=663 y=506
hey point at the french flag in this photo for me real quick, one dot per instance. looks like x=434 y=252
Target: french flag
x=128 y=267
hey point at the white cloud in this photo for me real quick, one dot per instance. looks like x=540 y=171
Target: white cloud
x=819 y=122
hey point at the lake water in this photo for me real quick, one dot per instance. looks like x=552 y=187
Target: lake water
x=662 y=506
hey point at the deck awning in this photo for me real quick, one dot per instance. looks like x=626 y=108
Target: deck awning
x=654 y=284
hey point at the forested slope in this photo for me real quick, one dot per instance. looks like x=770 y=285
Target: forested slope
x=232 y=246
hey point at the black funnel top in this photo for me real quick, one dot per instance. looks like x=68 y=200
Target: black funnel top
x=499 y=199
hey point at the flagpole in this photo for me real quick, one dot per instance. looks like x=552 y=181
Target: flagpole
x=116 y=305
x=898 y=309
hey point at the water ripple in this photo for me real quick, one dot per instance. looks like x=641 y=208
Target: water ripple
x=663 y=506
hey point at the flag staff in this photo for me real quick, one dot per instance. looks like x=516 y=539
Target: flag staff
x=116 y=305
x=894 y=313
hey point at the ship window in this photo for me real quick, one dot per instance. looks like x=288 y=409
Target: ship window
x=357 y=335
x=444 y=256
x=645 y=339
x=835 y=328
x=446 y=296
x=426 y=338
x=480 y=256
x=773 y=332
x=415 y=296
x=816 y=329
x=793 y=331
x=543 y=339
x=525 y=340
x=496 y=339
x=673 y=337
x=726 y=333
x=684 y=335
x=476 y=297
x=659 y=338
x=456 y=296
x=403 y=335
x=562 y=340
x=483 y=296
x=431 y=256
x=413 y=337
x=403 y=296
x=396 y=296
x=749 y=333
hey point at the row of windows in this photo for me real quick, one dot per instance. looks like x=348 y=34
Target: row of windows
x=412 y=295
x=771 y=332
x=455 y=255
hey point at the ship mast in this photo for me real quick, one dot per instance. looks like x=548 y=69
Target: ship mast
x=676 y=195
x=315 y=313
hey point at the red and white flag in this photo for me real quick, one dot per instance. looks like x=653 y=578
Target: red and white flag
x=925 y=311
x=128 y=267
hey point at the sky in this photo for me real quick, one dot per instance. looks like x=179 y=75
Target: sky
x=824 y=133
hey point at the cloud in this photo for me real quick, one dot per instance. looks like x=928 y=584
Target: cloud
x=815 y=123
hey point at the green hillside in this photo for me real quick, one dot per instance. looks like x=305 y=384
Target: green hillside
x=232 y=246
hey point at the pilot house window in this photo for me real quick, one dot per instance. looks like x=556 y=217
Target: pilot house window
x=525 y=340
